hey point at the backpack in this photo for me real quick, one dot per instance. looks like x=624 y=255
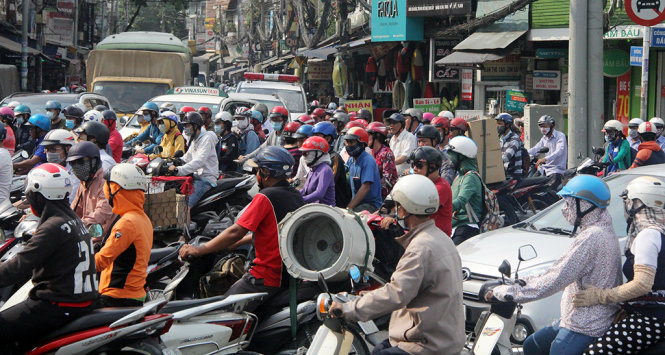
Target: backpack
x=492 y=218
x=225 y=273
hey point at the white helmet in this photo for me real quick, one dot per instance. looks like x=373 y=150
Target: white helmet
x=51 y=180
x=93 y=115
x=659 y=123
x=417 y=194
x=59 y=136
x=635 y=122
x=613 y=125
x=463 y=145
x=648 y=189
x=415 y=113
x=223 y=116
x=646 y=127
x=447 y=114
x=128 y=176
x=13 y=104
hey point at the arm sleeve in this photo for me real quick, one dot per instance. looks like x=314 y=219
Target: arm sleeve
x=253 y=142
x=623 y=158
x=117 y=242
x=102 y=213
x=141 y=136
x=265 y=144
x=38 y=249
x=510 y=151
x=641 y=158
x=468 y=188
x=536 y=148
x=255 y=213
x=559 y=149
x=198 y=160
x=403 y=287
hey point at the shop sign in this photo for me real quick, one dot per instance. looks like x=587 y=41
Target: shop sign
x=432 y=105
x=355 y=105
x=319 y=70
x=507 y=68
x=469 y=114
x=209 y=23
x=546 y=80
x=467 y=84
x=515 y=100
x=635 y=56
x=439 y=49
x=623 y=99
x=551 y=53
x=386 y=89
x=658 y=37
x=390 y=23
x=437 y=7
x=624 y=32
x=615 y=62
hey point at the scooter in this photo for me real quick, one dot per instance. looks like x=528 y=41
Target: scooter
x=10 y=217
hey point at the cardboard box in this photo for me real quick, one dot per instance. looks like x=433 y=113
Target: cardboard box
x=490 y=161
x=166 y=209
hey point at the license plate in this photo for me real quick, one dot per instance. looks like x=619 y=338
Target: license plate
x=368 y=327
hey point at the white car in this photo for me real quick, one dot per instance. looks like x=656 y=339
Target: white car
x=285 y=87
x=549 y=233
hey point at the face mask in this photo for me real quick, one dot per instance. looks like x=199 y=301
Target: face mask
x=607 y=139
x=53 y=158
x=311 y=158
x=501 y=129
x=162 y=128
x=50 y=115
x=187 y=132
x=354 y=150
x=632 y=133
x=69 y=124
x=277 y=126
x=19 y=120
x=568 y=210
x=400 y=220
x=544 y=130
x=147 y=118
x=81 y=171
x=242 y=124
x=218 y=129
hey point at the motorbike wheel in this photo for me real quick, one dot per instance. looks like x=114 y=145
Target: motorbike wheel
x=539 y=205
x=306 y=335
x=508 y=212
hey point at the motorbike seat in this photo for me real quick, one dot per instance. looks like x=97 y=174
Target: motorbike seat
x=158 y=254
x=222 y=184
x=538 y=180
x=305 y=291
x=97 y=318
x=176 y=306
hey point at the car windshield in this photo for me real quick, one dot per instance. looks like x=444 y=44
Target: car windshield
x=552 y=220
x=214 y=108
x=127 y=97
x=293 y=99
x=37 y=102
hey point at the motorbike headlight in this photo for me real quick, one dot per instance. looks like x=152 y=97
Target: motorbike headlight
x=535 y=270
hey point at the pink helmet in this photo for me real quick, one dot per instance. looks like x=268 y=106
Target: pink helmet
x=428 y=117
x=6 y=111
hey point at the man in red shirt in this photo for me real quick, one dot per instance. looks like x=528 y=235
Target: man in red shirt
x=427 y=161
x=115 y=138
x=274 y=200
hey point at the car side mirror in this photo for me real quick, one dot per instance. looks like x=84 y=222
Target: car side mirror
x=526 y=252
x=504 y=268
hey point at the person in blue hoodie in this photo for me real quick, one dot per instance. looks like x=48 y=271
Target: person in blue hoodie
x=149 y=113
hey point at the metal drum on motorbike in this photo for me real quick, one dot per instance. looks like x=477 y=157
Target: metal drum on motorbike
x=317 y=238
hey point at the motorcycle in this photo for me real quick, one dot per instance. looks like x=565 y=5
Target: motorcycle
x=589 y=166
x=10 y=217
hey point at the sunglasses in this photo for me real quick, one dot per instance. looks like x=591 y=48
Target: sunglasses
x=418 y=164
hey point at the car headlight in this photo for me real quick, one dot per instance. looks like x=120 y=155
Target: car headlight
x=535 y=270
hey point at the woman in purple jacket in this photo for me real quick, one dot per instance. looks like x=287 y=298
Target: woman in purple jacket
x=320 y=184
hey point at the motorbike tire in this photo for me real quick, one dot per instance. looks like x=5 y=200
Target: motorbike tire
x=508 y=211
x=146 y=346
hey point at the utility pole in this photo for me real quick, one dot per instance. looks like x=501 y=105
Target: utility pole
x=24 y=44
x=577 y=81
x=644 y=95
x=595 y=80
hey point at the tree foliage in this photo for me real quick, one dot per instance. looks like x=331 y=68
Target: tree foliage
x=154 y=15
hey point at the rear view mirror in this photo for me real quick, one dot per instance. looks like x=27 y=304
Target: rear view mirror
x=355 y=274
x=504 y=268
x=598 y=151
x=543 y=150
x=122 y=121
x=526 y=252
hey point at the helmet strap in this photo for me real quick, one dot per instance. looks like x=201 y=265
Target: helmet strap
x=631 y=216
x=580 y=214
x=430 y=169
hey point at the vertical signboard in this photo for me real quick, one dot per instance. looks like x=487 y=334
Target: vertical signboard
x=467 y=85
x=623 y=99
x=438 y=49
x=389 y=22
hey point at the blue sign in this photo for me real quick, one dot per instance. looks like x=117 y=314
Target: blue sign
x=390 y=24
x=658 y=37
x=635 y=56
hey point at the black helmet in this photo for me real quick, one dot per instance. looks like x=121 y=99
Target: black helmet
x=396 y=117
x=97 y=130
x=546 y=119
x=83 y=149
x=364 y=114
x=426 y=154
x=109 y=115
x=82 y=170
x=428 y=131
x=101 y=108
x=193 y=118
x=276 y=159
x=3 y=131
x=73 y=111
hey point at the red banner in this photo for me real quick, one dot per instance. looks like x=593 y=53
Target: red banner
x=623 y=100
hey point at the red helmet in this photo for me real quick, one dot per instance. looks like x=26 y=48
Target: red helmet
x=279 y=111
x=319 y=112
x=352 y=116
x=290 y=129
x=439 y=121
x=362 y=122
x=358 y=133
x=315 y=143
x=377 y=127
x=187 y=109
x=205 y=109
x=352 y=124
x=305 y=119
x=460 y=124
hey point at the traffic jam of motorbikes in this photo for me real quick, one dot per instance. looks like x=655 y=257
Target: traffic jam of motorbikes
x=339 y=198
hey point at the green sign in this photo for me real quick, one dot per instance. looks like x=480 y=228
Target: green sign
x=432 y=105
x=516 y=100
x=616 y=62
x=551 y=53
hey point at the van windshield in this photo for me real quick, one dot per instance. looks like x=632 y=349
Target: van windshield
x=127 y=97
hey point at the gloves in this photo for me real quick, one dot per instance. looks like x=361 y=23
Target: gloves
x=638 y=286
x=590 y=296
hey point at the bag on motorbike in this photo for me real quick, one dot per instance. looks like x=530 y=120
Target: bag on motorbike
x=492 y=218
x=225 y=273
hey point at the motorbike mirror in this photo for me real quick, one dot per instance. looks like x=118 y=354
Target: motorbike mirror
x=355 y=274
x=178 y=154
x=598 y=151
x=158 y=149
x=579 y=156
x=95 y=230
x=122 y=121
x=504 y=268
x=25 y=155
x=543 y=150
x=526 y=252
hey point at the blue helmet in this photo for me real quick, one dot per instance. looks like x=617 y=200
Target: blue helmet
x=304 y=131
x=40 y=121
x=22 y=109
x=505 y=117
x=53 y=105
x=257 y=115
x=151 y=106
x=276 y=159
x=588 y=188
x=326 y=128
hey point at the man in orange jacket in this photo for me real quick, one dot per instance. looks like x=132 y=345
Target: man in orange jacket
x=123 y=260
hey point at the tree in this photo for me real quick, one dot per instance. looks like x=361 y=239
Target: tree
x=171 y=12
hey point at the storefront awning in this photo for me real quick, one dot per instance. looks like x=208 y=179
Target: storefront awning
x=15 y=47
x=321 y=53
x=489 y=40
x=237 y=71
x=478 y=57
